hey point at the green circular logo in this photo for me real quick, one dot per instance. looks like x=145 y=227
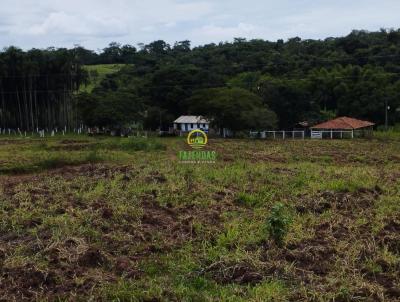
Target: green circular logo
x=197 y=139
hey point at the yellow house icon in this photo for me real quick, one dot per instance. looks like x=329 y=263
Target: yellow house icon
x=197 y=139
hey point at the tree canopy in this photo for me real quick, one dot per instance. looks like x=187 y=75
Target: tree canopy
x=233 y=108
x=355 y=75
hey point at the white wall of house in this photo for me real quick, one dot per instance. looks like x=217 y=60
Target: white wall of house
x=189 y=127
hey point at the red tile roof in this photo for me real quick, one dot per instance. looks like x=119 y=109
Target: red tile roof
x=347 y=123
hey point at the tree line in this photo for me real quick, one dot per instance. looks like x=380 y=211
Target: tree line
x=37 y=87
x=240 y=85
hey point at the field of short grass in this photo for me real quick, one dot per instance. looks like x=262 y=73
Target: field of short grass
x=109 y=219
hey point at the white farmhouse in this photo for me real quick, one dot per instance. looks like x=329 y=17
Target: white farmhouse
x=187 y=123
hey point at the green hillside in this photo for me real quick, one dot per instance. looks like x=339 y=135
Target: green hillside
x=97 y=73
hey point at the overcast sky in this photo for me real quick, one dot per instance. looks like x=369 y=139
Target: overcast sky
x=95 y=23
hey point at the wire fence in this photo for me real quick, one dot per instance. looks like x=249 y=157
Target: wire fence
x=278 y=134
x=267 y=135
x=313 y=134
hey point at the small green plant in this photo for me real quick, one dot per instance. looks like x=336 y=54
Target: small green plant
x=343 y=294
x=247 y=199
x=278 y=223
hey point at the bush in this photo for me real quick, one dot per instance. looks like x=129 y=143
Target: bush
x=278 y=223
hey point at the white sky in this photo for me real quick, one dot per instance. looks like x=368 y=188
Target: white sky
x=95 y=23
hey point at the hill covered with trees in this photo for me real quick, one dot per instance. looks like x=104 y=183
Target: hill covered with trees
x=243 y=84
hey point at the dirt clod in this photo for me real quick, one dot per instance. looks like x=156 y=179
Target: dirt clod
x=107 y=213
x=92 y=258
x=311 y=255
x=393 y=292
x=123 y=265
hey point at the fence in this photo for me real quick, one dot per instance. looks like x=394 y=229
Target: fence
x=314 y=134
x=279 y=134
x=333 y=134
x=40 y=132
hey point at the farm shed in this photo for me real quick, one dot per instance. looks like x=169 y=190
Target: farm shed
x=342 y=127
x=187 y=123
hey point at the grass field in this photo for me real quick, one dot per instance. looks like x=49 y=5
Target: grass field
x=97 y=73
x=108 y=219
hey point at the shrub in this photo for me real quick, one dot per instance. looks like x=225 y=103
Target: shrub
x=278 y=223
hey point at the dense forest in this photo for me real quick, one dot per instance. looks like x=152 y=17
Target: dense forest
x=37 y=88
x=240 y=85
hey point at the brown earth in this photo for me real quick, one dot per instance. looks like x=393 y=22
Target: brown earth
x=75 y=265
x=311 y=261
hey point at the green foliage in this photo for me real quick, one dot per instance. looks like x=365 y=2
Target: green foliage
x=110 y=109
x=131 y=144
x=278 y=223
x=247 y=199
x=298 y=80
x=233 y=108
x=97 y=73
x=343 y=294
x=52 y=161
x=246 y=80
x=290 y=100
x=359 y=91
x=36 y=86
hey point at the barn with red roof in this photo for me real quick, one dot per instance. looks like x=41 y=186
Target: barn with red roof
x=342 y=127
